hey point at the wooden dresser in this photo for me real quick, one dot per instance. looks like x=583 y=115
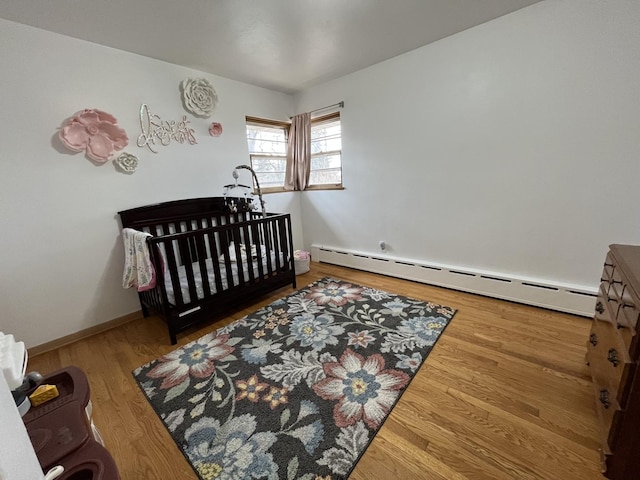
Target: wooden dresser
x=612 y=354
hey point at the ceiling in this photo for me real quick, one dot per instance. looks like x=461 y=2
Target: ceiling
x=283 y=45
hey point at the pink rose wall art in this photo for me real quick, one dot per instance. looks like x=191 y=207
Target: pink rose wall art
x=215 y=129
x=95 y=132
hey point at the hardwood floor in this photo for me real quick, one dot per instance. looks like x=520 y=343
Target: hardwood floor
x=505 y=394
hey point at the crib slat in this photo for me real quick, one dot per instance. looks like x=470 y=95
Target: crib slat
x=256 y=239
x=291 y=260
x=224 y=245
x=248 y=249
x=185 y=255
x=282 y=229
x=215 y=260
x=267 y=241
x=276 y=243
x=235 y=234
x=172 y=266
x=188 y=269
x=202 y=260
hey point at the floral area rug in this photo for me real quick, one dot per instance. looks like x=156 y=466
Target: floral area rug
x=296 y=390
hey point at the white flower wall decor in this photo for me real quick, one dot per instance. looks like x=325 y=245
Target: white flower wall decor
x=198 y=96
x=126 y=162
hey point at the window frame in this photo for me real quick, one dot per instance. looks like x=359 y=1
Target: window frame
x=328 y=186
x=263 y=122
x=257 y=121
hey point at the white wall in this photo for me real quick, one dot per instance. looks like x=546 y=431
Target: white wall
x=512 y=147
x=60 y=251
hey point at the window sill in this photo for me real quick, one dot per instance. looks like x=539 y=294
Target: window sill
x=324 y=187
x=266 y=191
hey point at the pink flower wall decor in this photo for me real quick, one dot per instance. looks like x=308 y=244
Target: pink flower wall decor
x=215 y=129
x=95 y=132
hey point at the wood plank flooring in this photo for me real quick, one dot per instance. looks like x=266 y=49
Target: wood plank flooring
x=505 y=394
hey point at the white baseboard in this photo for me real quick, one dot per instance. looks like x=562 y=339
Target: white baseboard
x=578 y=300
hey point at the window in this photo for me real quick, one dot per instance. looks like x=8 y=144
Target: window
x=267 y=142
x=326 y=152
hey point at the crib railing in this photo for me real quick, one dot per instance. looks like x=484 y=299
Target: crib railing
x=196 y=240
x=209 y=253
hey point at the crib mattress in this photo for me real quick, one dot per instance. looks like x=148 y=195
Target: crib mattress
x=184 y=284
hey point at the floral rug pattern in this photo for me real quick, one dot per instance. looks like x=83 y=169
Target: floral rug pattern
x=297 y=389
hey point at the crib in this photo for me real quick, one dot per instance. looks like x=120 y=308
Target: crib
x=208 y=258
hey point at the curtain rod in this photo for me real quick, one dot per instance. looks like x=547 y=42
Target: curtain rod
x=339 y=104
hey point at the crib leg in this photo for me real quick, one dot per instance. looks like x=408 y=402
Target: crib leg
x=172 y=336
x=143 y=306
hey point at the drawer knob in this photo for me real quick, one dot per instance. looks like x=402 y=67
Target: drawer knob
x=604 y=398
x=612 y=356
x=593 y=339
x=599 y=307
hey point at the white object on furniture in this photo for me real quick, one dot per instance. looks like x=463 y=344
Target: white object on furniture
x=18 y=460
x=13 y=361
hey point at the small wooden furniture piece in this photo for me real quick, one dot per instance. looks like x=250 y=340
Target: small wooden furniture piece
x=62 y=431
x=613 y=355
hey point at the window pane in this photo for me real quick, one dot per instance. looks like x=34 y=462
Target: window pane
x=318 y=131
x=326 y=169
x=268 y=164
x=270 y=180
x=266 y=140
x=261 y=146
x=267 y=151
x=327 y=144
x=326 y=137
x=270 y=170
x=325 y=177
x=321 y=162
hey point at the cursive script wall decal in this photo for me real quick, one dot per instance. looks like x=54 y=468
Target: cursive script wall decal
x=154 y=130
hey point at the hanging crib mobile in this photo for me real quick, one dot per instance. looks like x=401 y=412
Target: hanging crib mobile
x=239 y=197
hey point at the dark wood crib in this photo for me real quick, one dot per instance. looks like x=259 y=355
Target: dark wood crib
x=208 y=258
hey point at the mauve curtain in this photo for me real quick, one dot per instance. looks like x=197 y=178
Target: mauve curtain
x=298 y=153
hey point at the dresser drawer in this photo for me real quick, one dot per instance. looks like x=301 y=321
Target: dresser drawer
x=627 y=322
x=607 y=273
x=604 y=310
x=609 y=417
x=617 y=283
x=625 y=310
x=610 y=364
x=607 y=270
x=628 y=312
x=629 y=338
x=629 y=306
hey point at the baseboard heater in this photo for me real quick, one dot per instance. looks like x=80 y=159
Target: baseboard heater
x=577 y=300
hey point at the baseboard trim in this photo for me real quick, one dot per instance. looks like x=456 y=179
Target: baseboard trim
x=82 y=334
x=575 y=299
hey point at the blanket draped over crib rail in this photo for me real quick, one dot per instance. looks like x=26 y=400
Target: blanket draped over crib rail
x=138 y=269
x=205 y=259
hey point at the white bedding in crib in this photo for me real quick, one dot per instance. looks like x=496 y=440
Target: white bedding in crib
x=184 y=285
